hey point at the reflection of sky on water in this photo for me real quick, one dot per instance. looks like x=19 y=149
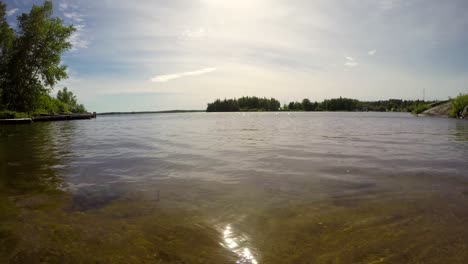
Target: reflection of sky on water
x=235 y=243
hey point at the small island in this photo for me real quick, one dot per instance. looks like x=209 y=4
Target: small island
x=457 y=107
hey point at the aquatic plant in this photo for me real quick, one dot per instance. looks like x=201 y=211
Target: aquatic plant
x=458 y=105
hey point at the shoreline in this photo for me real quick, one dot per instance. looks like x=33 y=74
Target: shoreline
x=151 y=112
x=52 y=118
x=47 y=118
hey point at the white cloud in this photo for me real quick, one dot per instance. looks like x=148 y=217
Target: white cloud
x=280 y=40
x=351 y=64
x=387 y=4
x=77 y=38
x=372 y=52
x=74 y=16
x=12 y=12
x=194 y=34
x=63 y=6
x=168 y=77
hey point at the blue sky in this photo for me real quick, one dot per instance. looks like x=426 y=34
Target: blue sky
x=181 y=54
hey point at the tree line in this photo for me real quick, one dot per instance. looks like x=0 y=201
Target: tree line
x=30 y=62
x=245 y=103
x=335 y=104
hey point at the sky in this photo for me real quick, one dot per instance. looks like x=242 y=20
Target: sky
x=181 y=54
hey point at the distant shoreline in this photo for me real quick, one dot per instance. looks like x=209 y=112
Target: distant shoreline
x=151 y=112
x=241 y=111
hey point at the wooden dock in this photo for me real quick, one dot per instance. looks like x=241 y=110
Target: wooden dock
x=16 y=121
x=63 y=117
x=47 y=118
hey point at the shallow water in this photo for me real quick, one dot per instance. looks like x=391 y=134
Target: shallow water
x=236 y=188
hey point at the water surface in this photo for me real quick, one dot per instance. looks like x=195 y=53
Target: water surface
x=236 y=188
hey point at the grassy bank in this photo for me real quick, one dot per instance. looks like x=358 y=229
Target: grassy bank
x=419 y=108
x=458 y=105
x=64 y=103
x=13 y=115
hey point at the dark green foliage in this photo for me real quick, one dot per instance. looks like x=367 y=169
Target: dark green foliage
x=12 y=115
x=380 y=109
x=336 y=104
x=244 y=104
x=295 y=106
x=7 y=37
x=307 y=105
x=33 y=62
x=225 y=105
x=341 y=104
x=394 y=105
x=258 y=104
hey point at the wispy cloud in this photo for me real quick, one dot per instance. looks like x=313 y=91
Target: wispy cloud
x=63 y=6
x=194 y=34
x=351 y=64
x=387 y=4
x=300 y=45
x=12 y=11
x=77 y=38
x=168 y=77
x=74 y=16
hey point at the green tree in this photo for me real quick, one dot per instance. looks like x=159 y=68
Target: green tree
x=69 y=99
x=7 y=37
x=66 y=96
x=245 y=103
x=458 y=106
x=307 y=105
x=34 y=66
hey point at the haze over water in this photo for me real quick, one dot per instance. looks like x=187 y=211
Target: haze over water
x=237 y=188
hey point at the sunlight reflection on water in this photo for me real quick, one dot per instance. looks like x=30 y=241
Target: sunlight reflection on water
x=235 y=244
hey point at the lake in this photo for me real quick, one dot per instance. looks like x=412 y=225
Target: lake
x=235 y=188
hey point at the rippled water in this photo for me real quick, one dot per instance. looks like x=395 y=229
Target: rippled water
x=237 y=188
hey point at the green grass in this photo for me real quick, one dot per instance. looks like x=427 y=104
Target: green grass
x=12 y=115
x=458 y=104
x=418 y=109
